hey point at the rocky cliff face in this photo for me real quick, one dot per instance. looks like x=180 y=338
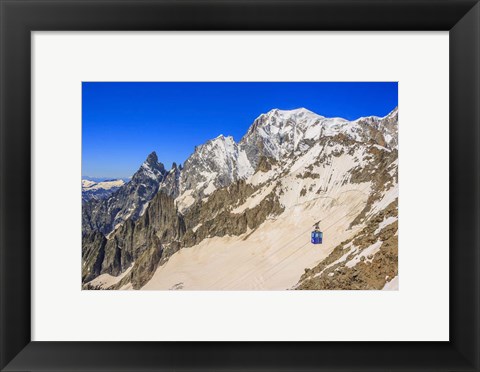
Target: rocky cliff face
x=144 y=242
x=128 y=202
x=93 y=253
x=171 y=182
x=213 y=165
x=202 y=223
x=286 y=160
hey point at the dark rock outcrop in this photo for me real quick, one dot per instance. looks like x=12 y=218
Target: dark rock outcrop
x=93 y=253
x=151 y=237
x=128 y=202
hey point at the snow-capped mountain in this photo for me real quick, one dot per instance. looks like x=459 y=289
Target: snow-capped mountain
x=99 y=190
x=213 y=165
x=277 y=136
x=245 y=211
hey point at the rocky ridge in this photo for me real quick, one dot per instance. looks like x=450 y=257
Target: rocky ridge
x=128 y=202
x=228 y=188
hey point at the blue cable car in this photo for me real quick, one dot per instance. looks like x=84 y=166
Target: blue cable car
x=317 y=235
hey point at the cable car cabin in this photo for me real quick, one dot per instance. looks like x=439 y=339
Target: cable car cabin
x=317 y=237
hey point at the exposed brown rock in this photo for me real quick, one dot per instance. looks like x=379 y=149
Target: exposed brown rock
x=369 y=273
x=265 y=164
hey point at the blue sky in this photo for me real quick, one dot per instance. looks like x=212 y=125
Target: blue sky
x=123 y=122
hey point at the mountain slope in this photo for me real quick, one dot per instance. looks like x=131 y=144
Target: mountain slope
x=239 y=215
x=213 y=165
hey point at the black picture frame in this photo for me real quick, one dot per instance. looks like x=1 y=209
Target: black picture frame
x=18 y=18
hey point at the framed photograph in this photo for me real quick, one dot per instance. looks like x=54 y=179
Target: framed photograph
x=239 y=185
x=288 y=199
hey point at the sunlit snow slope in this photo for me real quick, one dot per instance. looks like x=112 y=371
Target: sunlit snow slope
x=238 y=216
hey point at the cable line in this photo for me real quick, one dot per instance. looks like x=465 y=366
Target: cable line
x=286 y=244
x=298 y=249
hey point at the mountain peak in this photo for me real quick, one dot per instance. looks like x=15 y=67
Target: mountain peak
x=299 y=110
x=152 y=158
x=292 y=112
x=222 y=137
x=220 y=140
x=152 y=163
